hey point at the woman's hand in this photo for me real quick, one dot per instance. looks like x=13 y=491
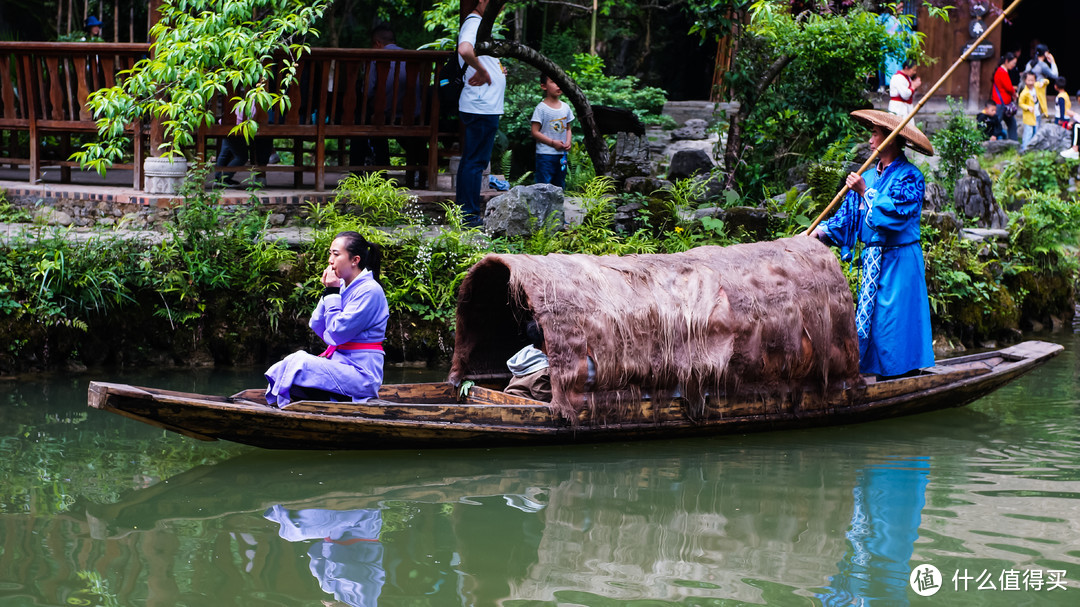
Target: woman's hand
x=856 y=184
x=330 y=277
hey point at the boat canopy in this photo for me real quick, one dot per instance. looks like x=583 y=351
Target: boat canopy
x=750 y=319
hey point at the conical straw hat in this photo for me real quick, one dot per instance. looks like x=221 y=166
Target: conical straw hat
x=888 y=121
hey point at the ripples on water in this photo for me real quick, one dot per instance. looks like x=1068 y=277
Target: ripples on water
x=98 y=509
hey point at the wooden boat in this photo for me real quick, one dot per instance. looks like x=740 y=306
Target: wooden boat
x=716 y=339
x=432 y=415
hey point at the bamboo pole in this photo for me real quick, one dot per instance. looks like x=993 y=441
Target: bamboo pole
x=844 y=190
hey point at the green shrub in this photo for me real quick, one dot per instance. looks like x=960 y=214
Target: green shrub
x=793 y=120
x=958 y=140
x=1032 y=172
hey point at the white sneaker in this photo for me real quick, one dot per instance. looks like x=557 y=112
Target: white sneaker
x=1071 y=154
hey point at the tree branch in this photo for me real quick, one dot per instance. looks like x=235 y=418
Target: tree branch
x=746 y=106
x=594 y=142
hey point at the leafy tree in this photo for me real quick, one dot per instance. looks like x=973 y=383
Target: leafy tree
x=796 y=78
x=203 y=48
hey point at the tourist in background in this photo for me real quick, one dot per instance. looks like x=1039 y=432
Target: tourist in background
x=480 y=106
x=902 y=89
x=551 y=129
x=1004 y=94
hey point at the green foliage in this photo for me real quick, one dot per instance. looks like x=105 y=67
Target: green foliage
x=965 y=291
x=790 y=120
x=421 y=269
x=62 y=283
x=203 y=48
x=579 y=168
x=955 y=142
x=982 y=288
x=376 y=199
x=561 y=46
x=1032 y=172
x=792 y=213
x=714 y=18
x=212 y=249
x=10 y=214
x=1046 y=230
x=443 y=19
x=826 y=176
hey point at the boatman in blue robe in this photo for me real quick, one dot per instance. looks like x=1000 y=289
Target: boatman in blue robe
x=882 y=212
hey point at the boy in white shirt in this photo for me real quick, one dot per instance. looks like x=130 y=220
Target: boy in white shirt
x=551 y=129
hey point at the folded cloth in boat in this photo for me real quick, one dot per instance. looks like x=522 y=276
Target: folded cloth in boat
x=529 y=359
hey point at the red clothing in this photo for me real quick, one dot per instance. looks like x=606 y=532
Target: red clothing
x=1003 y=87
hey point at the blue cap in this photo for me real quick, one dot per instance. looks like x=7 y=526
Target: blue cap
x=93 y=21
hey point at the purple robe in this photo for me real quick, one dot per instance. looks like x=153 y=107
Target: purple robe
x=358 y=315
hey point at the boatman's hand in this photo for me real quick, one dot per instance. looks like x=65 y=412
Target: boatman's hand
x=330 y=277
x=856 y=184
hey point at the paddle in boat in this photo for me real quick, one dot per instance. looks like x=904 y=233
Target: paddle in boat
x=714 y=340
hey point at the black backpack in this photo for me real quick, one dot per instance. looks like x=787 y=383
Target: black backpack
x=451 y=82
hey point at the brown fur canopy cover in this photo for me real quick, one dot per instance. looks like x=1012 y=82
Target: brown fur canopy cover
x=747 y=320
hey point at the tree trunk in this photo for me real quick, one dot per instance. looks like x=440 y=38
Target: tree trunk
x=594 y=141
x=734 y=147
x=592 y=34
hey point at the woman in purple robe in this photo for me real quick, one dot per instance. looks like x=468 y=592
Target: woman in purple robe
x=351 y=318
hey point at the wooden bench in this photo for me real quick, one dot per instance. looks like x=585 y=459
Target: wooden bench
x=335 y=97
x=44 y=87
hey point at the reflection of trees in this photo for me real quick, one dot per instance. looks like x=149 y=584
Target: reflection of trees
x=53 y=452
x=670 y=533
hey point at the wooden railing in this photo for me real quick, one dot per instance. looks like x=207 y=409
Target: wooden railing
x=43 y=92
x=341 y=94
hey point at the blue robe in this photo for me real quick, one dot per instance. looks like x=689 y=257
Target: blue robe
x=893 y=314
x=358 y=314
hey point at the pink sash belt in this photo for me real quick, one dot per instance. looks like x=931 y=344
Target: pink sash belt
x=351 y=345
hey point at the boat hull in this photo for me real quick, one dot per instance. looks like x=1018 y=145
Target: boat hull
x=430 y=416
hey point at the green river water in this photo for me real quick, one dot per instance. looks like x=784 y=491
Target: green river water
x=96 y=509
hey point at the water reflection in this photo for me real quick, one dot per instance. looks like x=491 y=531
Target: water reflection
x=888 y=503
x=347 y=559
x=104 y=507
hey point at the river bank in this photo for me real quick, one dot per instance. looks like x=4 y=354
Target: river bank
x=220 y=282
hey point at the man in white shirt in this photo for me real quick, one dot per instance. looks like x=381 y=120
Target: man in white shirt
x=480 y=105
x=902 y=89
